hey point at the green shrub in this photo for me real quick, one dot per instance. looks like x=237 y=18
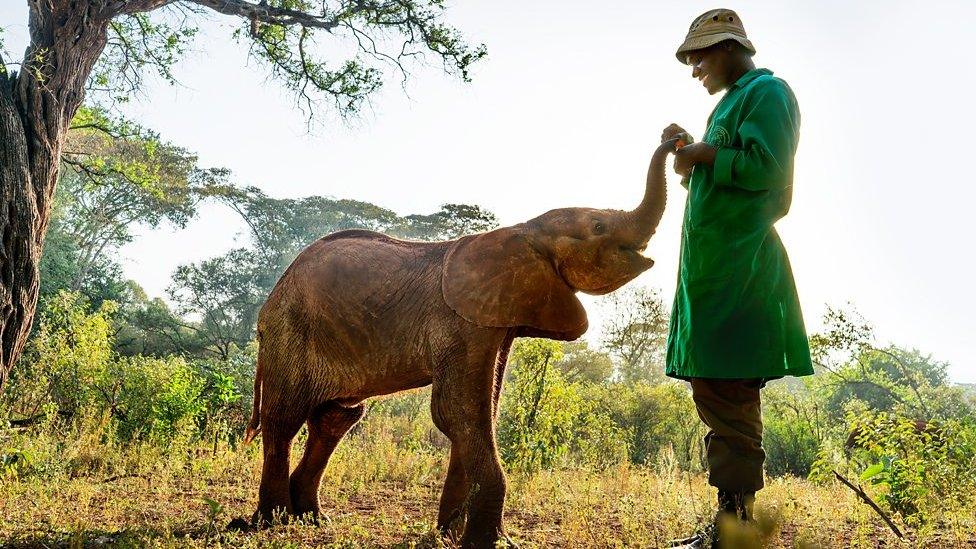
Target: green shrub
x=925 y=471
x=545 y=422
x=161 y=398
x=660 y=418
x=67 y=361
x=792 y=430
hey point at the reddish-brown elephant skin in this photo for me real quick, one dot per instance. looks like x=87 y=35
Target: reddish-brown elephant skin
x=359 y=314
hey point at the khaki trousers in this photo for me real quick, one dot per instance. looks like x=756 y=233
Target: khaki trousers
x=733 y=445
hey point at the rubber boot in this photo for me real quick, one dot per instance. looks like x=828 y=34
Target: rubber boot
x=734 y=508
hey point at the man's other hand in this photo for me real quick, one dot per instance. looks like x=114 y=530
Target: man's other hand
x=686 y=157
x=673 y=131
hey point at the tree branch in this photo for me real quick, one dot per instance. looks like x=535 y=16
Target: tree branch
x=867 y=499
x=274 y=15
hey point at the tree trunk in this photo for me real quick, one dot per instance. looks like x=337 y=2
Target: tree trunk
x=36 y=108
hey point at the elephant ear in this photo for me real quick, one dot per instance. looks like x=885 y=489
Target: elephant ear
x=498 y=279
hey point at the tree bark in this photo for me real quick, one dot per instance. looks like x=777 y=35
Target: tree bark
x=36 y=108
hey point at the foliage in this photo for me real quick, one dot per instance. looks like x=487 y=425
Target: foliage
x=925 y=472
x=545 y=421
x=581 y=363
x=116 y=175
x=161 y=398
x=224 y=293
x=61 y=268
x=793 y=429
x=452 y=221
x=884 y=378
x=289 y=50
x=135 y=43
x=68 y=364
x=660 y=418
x=149 y=327
x=72 y=376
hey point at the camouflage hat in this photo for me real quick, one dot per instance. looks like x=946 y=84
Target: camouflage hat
x=713 y=27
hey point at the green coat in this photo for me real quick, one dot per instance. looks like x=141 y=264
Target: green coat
x=736 y=313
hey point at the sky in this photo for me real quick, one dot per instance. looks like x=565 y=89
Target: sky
x=565 y=111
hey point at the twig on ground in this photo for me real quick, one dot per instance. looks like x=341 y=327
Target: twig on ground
x=113 y=478
x=867 y=499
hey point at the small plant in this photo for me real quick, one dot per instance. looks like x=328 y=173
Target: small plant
x=214 y=512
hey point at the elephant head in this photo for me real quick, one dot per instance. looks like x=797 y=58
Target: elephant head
x=527 y=275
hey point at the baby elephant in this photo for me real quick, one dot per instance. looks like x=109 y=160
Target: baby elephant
x=359 y=314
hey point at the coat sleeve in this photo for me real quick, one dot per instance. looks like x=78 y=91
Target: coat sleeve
x=768 y=134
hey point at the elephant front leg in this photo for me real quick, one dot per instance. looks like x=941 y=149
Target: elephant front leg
x=450 y=518
x=486 y=493
x=466 y=417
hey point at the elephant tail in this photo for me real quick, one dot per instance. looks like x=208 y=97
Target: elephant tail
x=254 y=426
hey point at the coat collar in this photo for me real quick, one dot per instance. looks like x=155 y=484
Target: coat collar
x=749 y=77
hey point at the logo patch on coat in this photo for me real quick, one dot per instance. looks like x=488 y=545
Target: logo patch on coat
x=718 y=137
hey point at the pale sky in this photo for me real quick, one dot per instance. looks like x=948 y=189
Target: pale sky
x=565 y=111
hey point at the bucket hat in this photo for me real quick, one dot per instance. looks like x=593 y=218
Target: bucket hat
x=713 y=27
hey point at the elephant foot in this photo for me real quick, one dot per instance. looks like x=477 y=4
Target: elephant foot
x=264 y=519
x=312 y=516
x=305 y=505
x=241 y=524
x=488 y=539
x=452 y=526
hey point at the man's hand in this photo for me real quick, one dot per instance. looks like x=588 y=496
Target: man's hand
x=673 y=131
x=686 y=157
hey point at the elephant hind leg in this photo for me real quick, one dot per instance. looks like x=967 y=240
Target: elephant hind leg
x=274 y=498
x=328 y=423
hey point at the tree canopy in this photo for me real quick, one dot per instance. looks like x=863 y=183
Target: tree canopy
x=327 y=53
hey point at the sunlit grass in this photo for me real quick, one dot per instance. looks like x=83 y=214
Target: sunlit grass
x=379 y=492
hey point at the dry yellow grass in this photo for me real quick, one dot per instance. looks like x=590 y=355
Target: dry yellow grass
x=379 y=494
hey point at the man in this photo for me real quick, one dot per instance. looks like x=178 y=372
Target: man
x=736 y=321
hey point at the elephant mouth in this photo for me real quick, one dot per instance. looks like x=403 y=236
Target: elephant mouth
x=605 y=289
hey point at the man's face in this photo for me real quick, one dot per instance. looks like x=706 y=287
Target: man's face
x=712 y=66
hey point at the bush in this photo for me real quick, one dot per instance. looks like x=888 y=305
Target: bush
x=161 y=398
x=70 y=377
x=546 y=422
x=67 y=362
x=792 y=433
x=926 y=471
x=660 y=418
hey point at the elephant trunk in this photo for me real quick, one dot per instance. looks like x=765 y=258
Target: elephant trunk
x=647 y=215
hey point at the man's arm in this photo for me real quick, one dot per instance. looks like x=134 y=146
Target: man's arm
x=769 y=133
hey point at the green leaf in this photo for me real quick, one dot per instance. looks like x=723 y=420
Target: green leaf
x=872 y=471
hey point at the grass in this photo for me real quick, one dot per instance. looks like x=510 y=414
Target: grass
x=382 y=493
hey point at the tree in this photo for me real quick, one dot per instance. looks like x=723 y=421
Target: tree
x=115 y=175
x=581 y=363
x=105 y=45
x=452 y=221
x=636 y=333
x=225 y=294
x=120 y=174
x=279 y=228
x=886 y=378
